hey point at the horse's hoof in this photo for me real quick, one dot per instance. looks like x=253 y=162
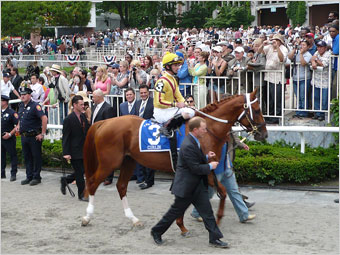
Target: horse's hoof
x=186 y=234
x=138 y=224
x=85 y=221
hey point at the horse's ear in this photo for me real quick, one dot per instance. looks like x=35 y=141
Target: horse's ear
x=253 y=94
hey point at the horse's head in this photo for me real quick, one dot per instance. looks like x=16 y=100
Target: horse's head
x=251 y=119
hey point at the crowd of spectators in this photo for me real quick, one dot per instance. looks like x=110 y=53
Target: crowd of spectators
x=223 y=53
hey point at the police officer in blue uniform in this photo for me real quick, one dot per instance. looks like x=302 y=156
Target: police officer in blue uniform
x=9 y=119
x=32 y=127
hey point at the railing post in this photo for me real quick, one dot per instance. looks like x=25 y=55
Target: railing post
x=303 y=142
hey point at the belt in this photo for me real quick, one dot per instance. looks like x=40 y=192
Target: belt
x=30 y=133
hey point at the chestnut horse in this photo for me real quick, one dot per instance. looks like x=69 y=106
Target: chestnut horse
x=113 y=144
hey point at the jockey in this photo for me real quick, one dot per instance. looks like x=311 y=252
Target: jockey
x=169 y=104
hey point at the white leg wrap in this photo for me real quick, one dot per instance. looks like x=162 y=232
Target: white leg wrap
x=90 y=207
x=128 y=212
x=89 y=212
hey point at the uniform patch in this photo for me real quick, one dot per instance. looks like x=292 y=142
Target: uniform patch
x=159 y=86
x=38 y=107
x=16 y=115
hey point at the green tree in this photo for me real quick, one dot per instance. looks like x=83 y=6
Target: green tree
x=196 y=16
x=232 y=16
x=21 y=18
x=296 y=11
x=141 y=14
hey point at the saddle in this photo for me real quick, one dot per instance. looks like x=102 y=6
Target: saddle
x=153 y=137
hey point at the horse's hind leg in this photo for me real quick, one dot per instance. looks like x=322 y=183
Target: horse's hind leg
x=179 y=222
x=126 y=171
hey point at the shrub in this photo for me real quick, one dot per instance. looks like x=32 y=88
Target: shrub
x=281 y=162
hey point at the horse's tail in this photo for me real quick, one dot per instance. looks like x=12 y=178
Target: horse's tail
x=90 y=155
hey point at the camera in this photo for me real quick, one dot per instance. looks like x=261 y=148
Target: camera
x=51 y=86
x=134 y=69
x=153 y=77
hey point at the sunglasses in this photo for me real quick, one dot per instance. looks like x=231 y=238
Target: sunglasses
x=190 y=101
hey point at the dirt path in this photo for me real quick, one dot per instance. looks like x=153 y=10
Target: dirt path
x=40 y=220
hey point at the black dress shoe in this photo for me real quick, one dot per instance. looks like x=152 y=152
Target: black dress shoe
x=145 y=186
x=83 y=199
x=13 y=178
x=63 y=185
x=157 y=238
x=249 y=204
x=219 y=244
x=336 y=200
x=26 y=181
x=3 y=176
x=35 y=182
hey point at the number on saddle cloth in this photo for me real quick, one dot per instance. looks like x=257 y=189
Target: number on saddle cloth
x=150 y=140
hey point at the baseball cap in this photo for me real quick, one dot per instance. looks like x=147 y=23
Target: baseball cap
x=217 y=48
x=230 y=47
x=224 y=43
x=238 y=40
x=115 y=65
x=321 y=44
x=239 y=49
x=310 y=35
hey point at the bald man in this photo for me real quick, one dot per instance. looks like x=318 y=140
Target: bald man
x=101 y=110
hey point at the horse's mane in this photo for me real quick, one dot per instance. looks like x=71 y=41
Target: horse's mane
x=213 y=106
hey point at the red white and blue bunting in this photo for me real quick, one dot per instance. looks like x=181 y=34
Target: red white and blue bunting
x=109 y=60
x=72 y=59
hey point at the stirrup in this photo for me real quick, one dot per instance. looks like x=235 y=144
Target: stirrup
x=166 y=132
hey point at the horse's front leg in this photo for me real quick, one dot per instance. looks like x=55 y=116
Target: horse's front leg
x=184 y=230
x=89 y=212
x=126 y=171
x=222 y=193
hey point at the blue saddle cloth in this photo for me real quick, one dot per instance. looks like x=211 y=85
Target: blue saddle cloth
x=149 y=141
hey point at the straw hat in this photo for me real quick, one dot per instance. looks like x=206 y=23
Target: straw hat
x=55 y=68
x=279 y=37
x=83 y=94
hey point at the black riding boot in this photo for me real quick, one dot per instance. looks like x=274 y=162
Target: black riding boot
x=169 y=129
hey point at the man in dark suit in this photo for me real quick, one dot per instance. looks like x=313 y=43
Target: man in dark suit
x=129 y=106
x=190 y=186
x=75 y=128
x=144 y=108
x=102 y=111
x=16 y=81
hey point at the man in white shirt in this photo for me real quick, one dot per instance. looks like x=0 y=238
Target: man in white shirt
x=276 y=55
x=7 y=86
x=38 y=94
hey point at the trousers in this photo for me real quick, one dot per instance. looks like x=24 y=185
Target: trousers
x=200 y=200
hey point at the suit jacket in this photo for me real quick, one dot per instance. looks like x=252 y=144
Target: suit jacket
x=148 y=112
x=105 y=112
x=192 y=167
x=124 y=109
x=17 y=81
x=74 y=134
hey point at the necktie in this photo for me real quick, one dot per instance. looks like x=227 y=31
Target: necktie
x=142 y=108
x=130 y=107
